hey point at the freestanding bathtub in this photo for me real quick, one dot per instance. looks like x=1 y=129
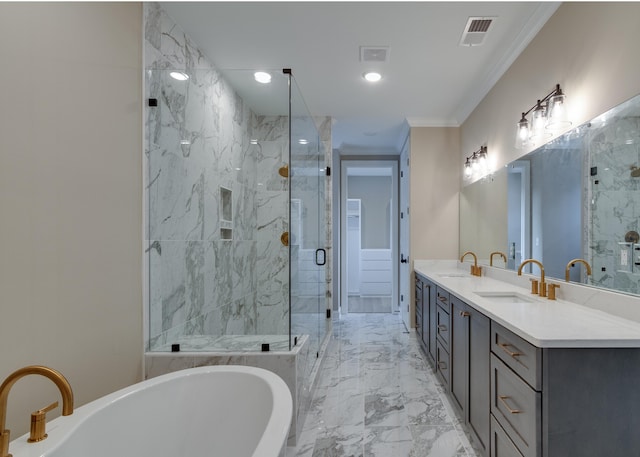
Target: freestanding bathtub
x=216 y=411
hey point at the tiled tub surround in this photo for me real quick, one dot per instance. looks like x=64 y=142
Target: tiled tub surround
x=568 y=369
x=298 y=369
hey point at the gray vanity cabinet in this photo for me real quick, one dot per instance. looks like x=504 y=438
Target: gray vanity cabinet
x=443 y=337
x=563 y=402
x=419 y=308
x=430 y=298
x=470 y=375
x=425 y=301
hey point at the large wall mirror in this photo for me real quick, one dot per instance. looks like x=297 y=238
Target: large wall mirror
x=576 y=197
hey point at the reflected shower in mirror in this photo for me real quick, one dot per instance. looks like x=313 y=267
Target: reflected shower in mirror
x=577 y=197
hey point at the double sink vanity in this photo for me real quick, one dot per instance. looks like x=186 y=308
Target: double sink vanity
x=530 y=376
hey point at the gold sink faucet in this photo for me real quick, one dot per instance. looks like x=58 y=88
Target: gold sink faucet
x=501 y=254
x=38 y=417
x=542 y=290
x=572 y=263
x=475 y=269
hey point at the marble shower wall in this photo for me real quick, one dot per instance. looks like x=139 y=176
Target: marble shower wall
x=208 y=273
x=198 y=147
x=614 y=203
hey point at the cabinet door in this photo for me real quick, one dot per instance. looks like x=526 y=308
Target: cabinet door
x=426 y=305
x=459 y=354
x=479 y=403
x=432 y=322
x=418 y=307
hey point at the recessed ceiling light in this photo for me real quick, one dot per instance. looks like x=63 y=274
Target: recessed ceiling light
x=262 y=77
x=180 y=76
x=372 y=76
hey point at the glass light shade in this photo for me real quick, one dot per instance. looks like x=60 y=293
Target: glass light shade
x=482 y=158
x=558 y=117
x=538 y=124
x=467 y=168
x=522 y=133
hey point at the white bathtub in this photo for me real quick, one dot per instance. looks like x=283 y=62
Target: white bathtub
x=221 y=411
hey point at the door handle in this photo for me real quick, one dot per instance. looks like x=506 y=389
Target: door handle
x=403 y=260
x=324 y=257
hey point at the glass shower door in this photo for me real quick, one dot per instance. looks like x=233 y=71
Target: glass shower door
x=308 y=255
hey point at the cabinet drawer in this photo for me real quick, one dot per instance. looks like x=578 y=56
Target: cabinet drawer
x=442 y=365
x=520 y=355
x=516 y=407
x=501 y=445
x=442 y=297
x=443 y=326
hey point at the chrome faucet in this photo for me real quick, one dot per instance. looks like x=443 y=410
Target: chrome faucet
x=574 y=261
x=536 y=288
x=475 y=269
x=37 y=418
x=501 y=254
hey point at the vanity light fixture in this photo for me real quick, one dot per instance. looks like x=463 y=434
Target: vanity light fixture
x=262 y=77
x=372 y=76
x=548 y=115
x=178 y=75
x=476 y=162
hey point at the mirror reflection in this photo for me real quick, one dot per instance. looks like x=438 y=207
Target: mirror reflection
x=573 y=204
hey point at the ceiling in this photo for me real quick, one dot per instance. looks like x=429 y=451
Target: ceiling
x=428 y=78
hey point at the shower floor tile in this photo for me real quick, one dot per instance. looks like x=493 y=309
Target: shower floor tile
x=377 y=397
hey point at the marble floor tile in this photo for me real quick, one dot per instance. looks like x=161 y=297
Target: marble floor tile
x=376 y=396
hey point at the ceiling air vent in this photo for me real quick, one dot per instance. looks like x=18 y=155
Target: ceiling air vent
x=378 y=54
x=476 y=30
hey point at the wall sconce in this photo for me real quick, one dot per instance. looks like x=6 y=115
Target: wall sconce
x=547 y=116
x=476 y=162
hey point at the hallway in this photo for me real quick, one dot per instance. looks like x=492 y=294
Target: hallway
x=377 y=397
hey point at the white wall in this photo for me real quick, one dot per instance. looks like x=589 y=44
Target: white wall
x=590 y=49
x=375 y=195
x=433 y=195
x=70 y=199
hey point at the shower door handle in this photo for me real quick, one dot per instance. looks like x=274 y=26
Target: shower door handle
x=324 y=257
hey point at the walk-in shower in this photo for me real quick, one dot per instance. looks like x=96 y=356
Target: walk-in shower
x=237 y=216
x=236 y=213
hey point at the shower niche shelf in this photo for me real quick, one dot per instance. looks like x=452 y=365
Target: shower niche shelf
x=226 y=214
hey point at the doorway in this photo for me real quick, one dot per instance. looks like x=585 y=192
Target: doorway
x=369 y=236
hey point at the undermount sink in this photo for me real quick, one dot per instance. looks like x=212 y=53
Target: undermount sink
x=505 y=297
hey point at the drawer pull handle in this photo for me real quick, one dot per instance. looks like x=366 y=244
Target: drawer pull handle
x=465 y=313
x=442 y=327
x=503 y=399
x=442 y=365
x=442 y=298
x=504 y=347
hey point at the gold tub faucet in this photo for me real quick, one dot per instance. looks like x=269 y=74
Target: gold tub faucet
x=38 y=417
x=475 y=269
x=574 y=261
x=501 y=254
x=536 y=288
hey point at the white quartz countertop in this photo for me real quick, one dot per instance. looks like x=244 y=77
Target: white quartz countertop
x=542 y=322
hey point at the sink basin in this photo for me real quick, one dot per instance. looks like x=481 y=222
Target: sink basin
x=505 y=297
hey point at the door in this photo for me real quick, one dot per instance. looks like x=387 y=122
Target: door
x=405 y=264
